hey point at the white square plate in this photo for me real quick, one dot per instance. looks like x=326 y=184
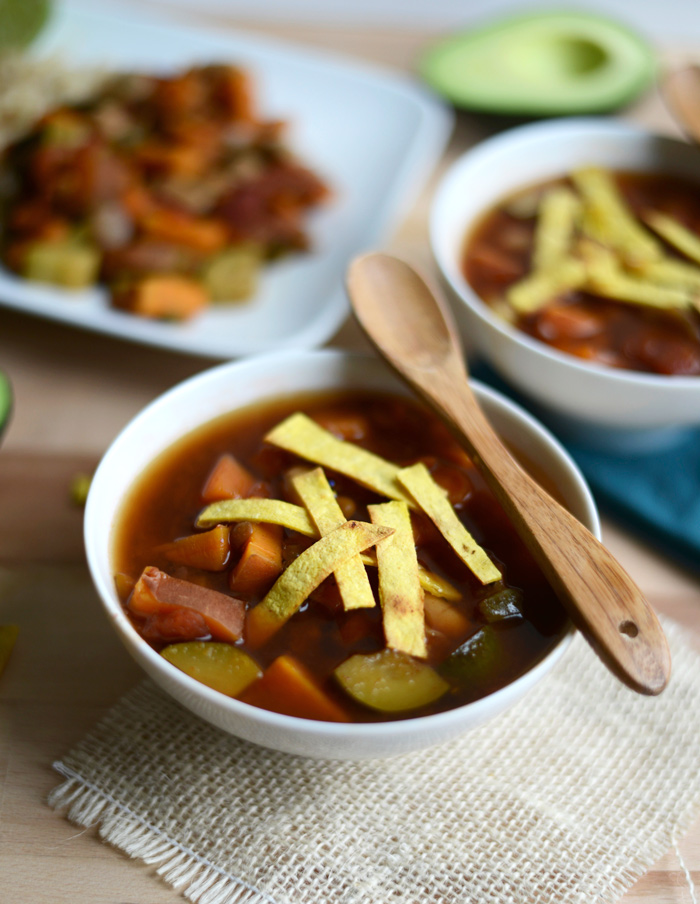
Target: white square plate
x=373 y=136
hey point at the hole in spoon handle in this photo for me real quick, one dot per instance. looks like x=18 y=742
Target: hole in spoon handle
x=628 y=628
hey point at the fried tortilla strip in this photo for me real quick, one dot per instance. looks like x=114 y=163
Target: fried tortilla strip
x=305 y=574
x=315 y=492
x=670 y=272
x=539 y=288
x=429 y=581
x=425 y=491
x=675 y=234
x=557 y=219
x=266 y=511
x=400 y=592
x=294 y=517
x=608 y=219
x=302 y=436
x=606 y=278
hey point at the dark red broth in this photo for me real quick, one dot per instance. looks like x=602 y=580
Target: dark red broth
x=497 y=254
x=167 y=499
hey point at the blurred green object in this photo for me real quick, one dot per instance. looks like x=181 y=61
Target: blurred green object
x=542 y=64
x=5 y=402
x=21 y=21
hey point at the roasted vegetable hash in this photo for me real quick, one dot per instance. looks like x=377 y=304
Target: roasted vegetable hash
x=171 y=191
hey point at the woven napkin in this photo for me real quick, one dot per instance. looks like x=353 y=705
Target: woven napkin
x=569 y=796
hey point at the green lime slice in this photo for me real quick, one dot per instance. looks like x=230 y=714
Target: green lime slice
x=21 y=21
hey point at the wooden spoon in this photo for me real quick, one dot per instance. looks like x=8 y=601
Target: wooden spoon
x=681 y=92
x=413 y=330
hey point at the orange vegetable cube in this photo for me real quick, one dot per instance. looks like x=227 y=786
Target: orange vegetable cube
x=228 y=480
x=260 y=563
x=165 y=296
x=209 y=550
x=202 y=234
x=288 y=688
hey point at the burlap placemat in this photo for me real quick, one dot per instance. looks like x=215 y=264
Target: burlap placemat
x=567 y=797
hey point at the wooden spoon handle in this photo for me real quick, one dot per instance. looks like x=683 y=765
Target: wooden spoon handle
x=601 y=598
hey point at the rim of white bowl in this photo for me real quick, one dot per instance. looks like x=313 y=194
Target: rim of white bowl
x=525 y=137
x=358 y=730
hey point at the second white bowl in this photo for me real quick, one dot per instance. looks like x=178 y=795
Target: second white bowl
x=603 y=405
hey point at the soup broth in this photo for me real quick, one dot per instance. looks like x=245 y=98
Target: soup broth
x=478 y=636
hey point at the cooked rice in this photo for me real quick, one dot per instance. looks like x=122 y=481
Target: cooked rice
x=30 y=87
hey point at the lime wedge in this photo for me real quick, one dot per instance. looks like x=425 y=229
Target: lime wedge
x=21 y=21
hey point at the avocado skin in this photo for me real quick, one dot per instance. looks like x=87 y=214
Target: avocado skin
x=5 y=402
x=625 y=82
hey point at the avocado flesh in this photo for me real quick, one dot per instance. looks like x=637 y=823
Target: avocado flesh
x=5 y=402
x=544 y=64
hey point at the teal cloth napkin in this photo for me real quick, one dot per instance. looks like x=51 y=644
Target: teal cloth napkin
x=656 y=495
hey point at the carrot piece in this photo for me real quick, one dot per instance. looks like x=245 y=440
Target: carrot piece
x=228 y=480
x=202 y=234
x=157 y=592
x=209 y=550
x=137 y=202
x=159 y=159
x=260 y=563
x=288 y=688
x=167 y=296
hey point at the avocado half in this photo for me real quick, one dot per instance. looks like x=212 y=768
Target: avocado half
x=5 y=402
x=542 y=64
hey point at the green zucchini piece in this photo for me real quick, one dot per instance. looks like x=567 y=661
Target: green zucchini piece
x=473 y=663
x=233 y=274
x=507 y=603
x=68 y=264
x=218 y=665
x=390 y=681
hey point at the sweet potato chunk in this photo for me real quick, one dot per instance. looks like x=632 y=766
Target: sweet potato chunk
x=209 y=550
x=228 y=480
x=156 y=591
x=166 y=296
x=287 y=687
x=260 y=563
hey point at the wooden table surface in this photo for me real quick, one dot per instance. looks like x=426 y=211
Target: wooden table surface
x=74 y=391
